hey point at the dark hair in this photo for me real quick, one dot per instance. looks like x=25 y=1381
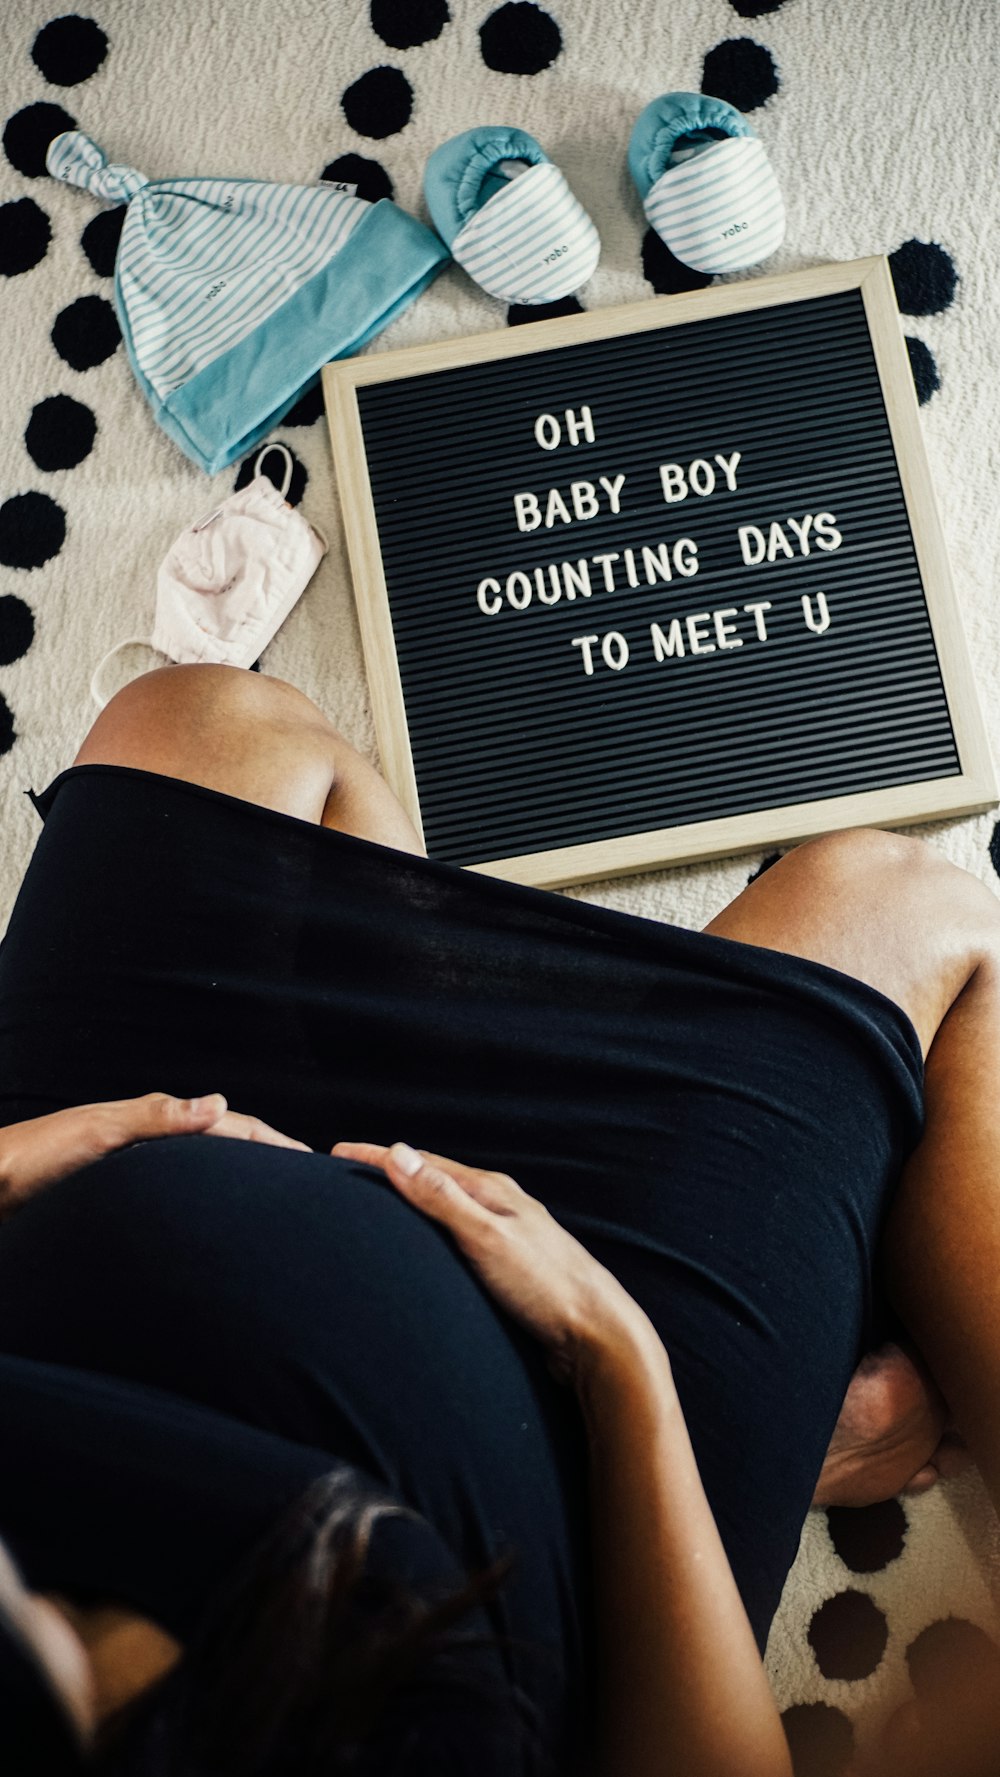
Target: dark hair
x=317 y=1660
x=36 y=1735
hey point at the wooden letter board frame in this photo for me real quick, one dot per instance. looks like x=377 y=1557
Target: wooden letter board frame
x=971 y=789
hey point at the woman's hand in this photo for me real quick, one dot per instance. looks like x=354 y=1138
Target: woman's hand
x=536 y=1270
x=681 y=1687
x=41 y=1150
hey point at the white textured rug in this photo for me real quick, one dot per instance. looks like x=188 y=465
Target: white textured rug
x=878 y=118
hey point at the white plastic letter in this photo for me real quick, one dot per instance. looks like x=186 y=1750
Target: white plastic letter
x=656 y=563
x=554 y=594
x=824 y=612
x=724 y=630
x=576 y=579
x=752 y=545
x=672 y=482
x=671 y=643
x=696 y=641
x=776 y=540
x=584 y=499
x=547 y=431
x=706 y=475
x=584 y=424
x=556 y=507
x=826 y=523
x=613 y=490
x=529 y=515
x=605 y=564
x=758 y=617
x=728 y=467
x=485 y=586
x=615 y=650
x=802 y=531
x=686 y=557
x=523 y=585
x=585 y=644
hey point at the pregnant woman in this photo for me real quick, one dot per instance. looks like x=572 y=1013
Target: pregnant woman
x=261 y=1362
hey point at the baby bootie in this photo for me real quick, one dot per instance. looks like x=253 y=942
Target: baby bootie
x=707 y=186
x=508 y=215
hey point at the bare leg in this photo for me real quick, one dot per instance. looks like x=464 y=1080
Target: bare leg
x=943 y=1239
x=891 y=911
x=250 y=736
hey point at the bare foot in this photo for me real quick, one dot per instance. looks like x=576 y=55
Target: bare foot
x=893 y=1435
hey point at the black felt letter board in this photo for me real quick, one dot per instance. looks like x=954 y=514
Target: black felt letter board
x=652 y=579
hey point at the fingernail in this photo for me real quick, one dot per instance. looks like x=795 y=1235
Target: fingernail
x=214 y=1101
x=406 y=1158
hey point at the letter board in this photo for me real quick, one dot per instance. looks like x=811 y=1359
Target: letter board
x=657 y=582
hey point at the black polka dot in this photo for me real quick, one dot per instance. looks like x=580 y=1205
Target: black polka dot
x=994 y=848
x=402 y=24
x=926 y=376
x=60 y=433
x=100 y=238
x=25 y=233
x=28 y=133
x=740 y=71
x=32 y=530
x=380 y=103
x=848 y=1635
x=519 y=38
x=519 y=312
x=17 y=629
x=870 y=1537
x=665 y=272
x=68 y=50
x=307 y=410
x=820 y=1739
x=274 y=467
x=8 y=733
x=924 y=276
x=772 y=858
x=755 y=9
x=372 y=181
x=86 y=333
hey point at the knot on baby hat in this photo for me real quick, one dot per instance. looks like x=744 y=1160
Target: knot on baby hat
x=232 y=293
x=76 y=158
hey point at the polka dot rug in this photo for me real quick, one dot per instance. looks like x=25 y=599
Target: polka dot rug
x=876 y=118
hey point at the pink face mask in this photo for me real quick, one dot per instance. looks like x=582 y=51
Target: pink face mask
x=229 y=582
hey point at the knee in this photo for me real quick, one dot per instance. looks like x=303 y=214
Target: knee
x=204 y=692
x=907 y=877
x=174 y=708
x=864 y=851
x=862 y=863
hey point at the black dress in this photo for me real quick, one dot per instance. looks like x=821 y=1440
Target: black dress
x=721 y=1124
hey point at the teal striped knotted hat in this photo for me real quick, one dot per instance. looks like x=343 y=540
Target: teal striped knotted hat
x=232 y=293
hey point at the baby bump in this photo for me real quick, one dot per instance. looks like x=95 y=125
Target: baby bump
x=294 y=1291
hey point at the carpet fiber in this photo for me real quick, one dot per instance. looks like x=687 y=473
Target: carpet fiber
x=876 y=118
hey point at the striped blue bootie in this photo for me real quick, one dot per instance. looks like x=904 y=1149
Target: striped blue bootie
x=707 y=186
x=509 y=217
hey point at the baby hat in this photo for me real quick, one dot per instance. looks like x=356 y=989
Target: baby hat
x=232 y=293
x=706 y=184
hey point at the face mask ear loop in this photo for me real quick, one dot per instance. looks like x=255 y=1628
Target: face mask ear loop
x=95 y=694
x=286 y=453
